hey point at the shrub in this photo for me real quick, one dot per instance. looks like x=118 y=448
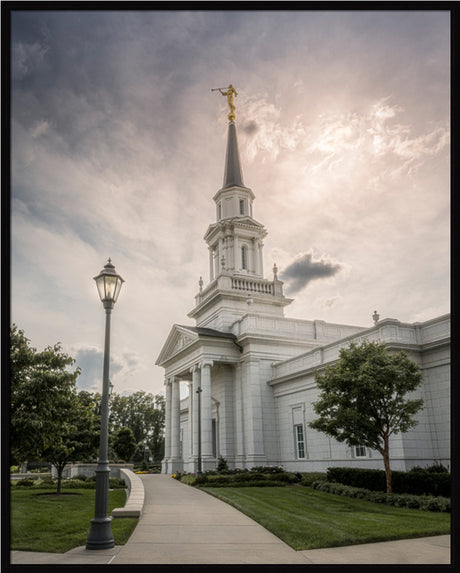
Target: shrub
x=308 y=478
x=437 y=468
x=117 y=483
x=77 y=484
x=25 y=482
x=222 y=464
x=267 y=469
x=81 y=477
x=426 y=503
x=14 y=469
x=189 y=479
x=418 y=481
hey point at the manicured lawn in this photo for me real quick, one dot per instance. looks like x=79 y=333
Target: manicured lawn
x=308 y=519
x=56 y=524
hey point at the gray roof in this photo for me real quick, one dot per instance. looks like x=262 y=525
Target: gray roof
x=233 y=174
x=209 y=332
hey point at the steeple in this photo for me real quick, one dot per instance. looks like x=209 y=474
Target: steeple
x=235 y=244
x=233 y=175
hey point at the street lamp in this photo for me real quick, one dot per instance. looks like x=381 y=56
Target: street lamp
x=100 y=535
x=198 y=471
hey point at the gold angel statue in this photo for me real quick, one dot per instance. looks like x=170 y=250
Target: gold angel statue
x=231 y=104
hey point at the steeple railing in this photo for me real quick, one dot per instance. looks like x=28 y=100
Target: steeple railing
x=261 y=286
x=249 y=285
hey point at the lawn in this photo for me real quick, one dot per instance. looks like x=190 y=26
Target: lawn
x=308 y=519
x=58 y=523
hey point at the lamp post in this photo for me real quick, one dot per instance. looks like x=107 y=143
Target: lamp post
x=198 y=471
x=100 y=536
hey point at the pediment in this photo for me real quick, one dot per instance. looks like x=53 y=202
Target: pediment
x=179 y=338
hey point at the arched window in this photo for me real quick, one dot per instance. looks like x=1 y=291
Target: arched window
x=244 y=257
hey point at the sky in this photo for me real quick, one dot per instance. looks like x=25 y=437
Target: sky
x=118 y=146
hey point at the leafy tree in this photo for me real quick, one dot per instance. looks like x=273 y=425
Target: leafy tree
x=124 y=443
x=78 y=439
x=42 y=395
x=363 y=400
x=144 y=414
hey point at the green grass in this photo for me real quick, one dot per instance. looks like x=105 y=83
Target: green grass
x=308 y=519
x=56 y=524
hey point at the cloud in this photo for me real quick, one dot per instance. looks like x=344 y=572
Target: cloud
x=304 y=269
x=90 y=359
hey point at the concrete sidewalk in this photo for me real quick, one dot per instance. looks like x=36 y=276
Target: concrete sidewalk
x=182 y=525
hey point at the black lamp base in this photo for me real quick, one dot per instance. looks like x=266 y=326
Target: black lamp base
x=100 y=535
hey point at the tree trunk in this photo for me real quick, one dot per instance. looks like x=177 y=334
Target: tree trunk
x=60 y=469
x=386 y=462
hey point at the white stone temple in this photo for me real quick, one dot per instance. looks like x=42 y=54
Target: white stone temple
x=256 y=368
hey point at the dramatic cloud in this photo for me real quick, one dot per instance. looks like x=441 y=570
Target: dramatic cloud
x=118 y=146
x=304 y=269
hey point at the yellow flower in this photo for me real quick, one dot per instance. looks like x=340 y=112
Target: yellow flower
x=174 y=475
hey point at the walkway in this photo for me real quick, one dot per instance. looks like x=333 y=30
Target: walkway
x=181 y=524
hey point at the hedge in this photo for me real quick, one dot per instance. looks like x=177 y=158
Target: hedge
x=241 y=479
x=48 y=483
x=423 y=502
x=419 y=482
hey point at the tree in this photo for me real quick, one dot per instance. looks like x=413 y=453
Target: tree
x=124 y=443
x=363 y=400
x=43 y=391
x=144 y=414
x=78 y=439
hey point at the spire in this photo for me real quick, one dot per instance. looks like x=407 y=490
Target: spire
x=233 y=174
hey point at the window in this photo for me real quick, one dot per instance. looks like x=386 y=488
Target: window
x=299 y=441
x=244 y=257
x=360 y=452
x=219 y=211
x=241 y=206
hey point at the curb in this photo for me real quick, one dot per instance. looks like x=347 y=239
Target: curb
x=135 y=502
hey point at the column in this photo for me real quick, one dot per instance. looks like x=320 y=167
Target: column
x=191 y=399
x=239 y=420
x=236 y=253
x=175 y=420
x=195 y=370
x=167 y=455
x=261 y=258
x=206 y=411
x=211 y=264
x=253 y=421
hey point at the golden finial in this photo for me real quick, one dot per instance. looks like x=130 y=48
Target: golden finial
x=229 y=93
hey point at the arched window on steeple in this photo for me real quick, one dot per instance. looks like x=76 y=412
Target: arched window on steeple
x=244 y=257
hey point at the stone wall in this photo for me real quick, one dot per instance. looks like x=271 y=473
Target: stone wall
x=89 y=470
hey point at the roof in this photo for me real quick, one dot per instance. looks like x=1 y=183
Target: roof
x=233 y=174
x=209 y=332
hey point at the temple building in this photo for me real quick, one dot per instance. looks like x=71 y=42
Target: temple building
x=250 y=370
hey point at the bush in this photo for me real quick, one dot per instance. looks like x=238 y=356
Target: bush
x=77 y=484
x=426 y=503
x=81 y=477
x=222 y=464
x=25 y=482
x=267 y=469
x=14 y=469
x=308 y=478
x=418 y=481
x=117 y=483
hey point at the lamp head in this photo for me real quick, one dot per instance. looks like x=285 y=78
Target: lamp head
x=108 y=283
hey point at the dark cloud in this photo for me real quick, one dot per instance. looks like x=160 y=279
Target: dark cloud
x=250 y=127
x=304 y=269
x=91 y=360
